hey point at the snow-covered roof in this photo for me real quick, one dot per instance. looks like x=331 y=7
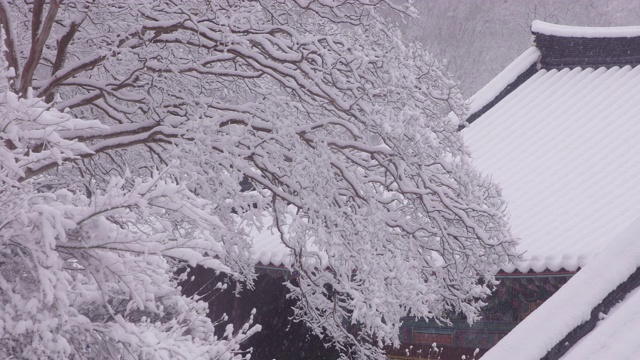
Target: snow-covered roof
x=268 y=249
x=562 y=144
x=603 y=294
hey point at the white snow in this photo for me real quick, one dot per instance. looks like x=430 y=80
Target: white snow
x=584 y=32
x=572 y=304
x=563 y=146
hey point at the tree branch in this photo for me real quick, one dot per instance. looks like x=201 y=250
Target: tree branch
x=63 y=74
x=155 y=135
x=36 y=48
x=36 y=19
x=61 y=53
x=9 y=41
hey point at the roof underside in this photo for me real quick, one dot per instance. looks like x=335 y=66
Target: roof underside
x=564 y=147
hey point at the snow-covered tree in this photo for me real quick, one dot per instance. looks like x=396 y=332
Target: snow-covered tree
x=88 y=272
x=340 y=126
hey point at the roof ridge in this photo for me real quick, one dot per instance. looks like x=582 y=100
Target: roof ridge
x=609 y=32
x=564 y=46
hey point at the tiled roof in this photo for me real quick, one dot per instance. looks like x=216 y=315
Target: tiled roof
x=565 y=147
x=564 y=142
x=268 y=249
